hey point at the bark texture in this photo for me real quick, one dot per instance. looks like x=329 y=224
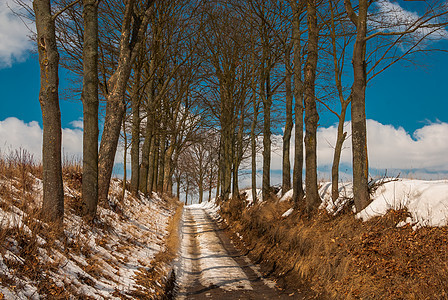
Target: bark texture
x=311 y=115
x=53 y=194
x=130 y=43
x=297 y=183
x=89 y=97
x=135 y=139
x=358 y=112
x=286 y=168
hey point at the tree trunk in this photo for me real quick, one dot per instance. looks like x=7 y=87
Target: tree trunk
x=125 y=158
x=53 y=193
x=211 y=178
x=238 y=153
x=218 y=180
x=297 y=184
x=151 y=166
x=201 y=189
x=135 y=140
x=168 y=167
x=114 y=114
x=89 y=97
x=341 y=135
x=267 y=103
x=286 y=168
x=358 y=112
x=155 y=169
x=178 y=187
x=115 y=100
x=311 y=116
x=149 y=134
x=161 y=163
x=144 y=166
x=226 y=144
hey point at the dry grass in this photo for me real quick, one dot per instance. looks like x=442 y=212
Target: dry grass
x=34 y=253
x=159 y=276
x=343 y=258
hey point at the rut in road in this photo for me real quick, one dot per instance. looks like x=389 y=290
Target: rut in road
x=210 y=267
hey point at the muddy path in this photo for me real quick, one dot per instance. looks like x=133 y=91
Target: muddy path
x=210 y=267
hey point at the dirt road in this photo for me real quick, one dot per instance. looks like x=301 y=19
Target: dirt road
x=210 y=267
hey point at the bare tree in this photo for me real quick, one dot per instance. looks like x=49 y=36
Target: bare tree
x=90 y=102
x=298 y=192
x=132 y=33
x=311 y=116
x=53 y=193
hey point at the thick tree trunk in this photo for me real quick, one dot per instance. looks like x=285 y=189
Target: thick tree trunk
x=148 y=143
x=109 y=141
x=130 y=45
x=144 y=166
x=297 y=183
x=358 y=112
x=53 y=194
x=311 y=116
x=253 y=141
x=89 y=97
x=286 y=168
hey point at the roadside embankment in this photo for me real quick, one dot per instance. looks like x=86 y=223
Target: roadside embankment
x=339 y=256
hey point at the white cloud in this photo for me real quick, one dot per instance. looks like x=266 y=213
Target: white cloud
x=78 y=124
x=392 y=17
x=15 y=134
x=13 y=35
x=424 y=152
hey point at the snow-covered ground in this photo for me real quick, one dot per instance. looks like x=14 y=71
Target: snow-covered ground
x=107 y=261
x=426 y=201
x=203 y=258
x=203 y=252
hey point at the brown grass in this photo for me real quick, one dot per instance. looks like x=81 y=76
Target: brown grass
x=158 y=277
x=343 y=258
x=18 y=173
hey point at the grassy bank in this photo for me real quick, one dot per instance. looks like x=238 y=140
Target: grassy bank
x=340 y=257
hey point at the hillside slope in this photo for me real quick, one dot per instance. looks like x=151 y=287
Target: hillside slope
x=121 y=256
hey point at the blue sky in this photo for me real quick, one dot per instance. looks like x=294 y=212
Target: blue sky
x=412 y=99
x=406 y=96
x=20 y=93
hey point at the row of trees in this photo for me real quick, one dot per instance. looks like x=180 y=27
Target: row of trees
x=196 y=84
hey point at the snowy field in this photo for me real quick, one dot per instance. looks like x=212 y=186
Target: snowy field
x=425 y=200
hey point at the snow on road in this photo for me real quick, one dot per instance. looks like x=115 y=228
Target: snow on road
x=210 y=267
x=204 y=260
